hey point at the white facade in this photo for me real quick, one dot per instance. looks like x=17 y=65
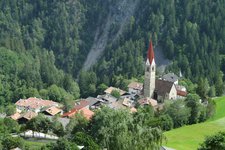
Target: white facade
x=149 y=83
x=173 y=93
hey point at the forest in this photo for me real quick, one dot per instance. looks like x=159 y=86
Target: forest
x=44 y=45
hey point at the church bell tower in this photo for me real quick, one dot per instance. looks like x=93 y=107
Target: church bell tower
x=150 y=68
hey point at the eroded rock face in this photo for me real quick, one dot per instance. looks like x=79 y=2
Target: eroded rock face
x=120 y=12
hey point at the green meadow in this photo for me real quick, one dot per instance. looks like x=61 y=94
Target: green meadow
x=189 y=137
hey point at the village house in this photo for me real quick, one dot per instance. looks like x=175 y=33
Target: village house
x=165 y=90
x=107 y=99
x=148 y=101
x=34 y=104
x=110 y=89
x=26 y=117
x=181 y=92
x=135 y=88
x=81 y=107
x=94 y=103
x=52 y=111
x=87 y=113
x=171 y=77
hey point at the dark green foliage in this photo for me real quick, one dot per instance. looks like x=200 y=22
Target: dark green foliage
x=87 y=83
x=166 y=122
x=115 y=93
x=12 y=142
x=10 y=110
x=214 y=142
x=211 y=108
x=123 y=131
x=39 y=124
x=11 y=125
x=86 y=140
x=179 y=113
x=192 y=102
x=62 y=143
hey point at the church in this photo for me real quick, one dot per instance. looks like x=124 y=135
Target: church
x=158 y=89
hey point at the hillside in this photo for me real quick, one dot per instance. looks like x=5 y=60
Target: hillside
x=189 y=137
x=55 y=40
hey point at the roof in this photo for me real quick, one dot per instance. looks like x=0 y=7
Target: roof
x=108 y=98
x=133 y=110
x=81 y=104
x=15 y=116
x=92 y=100
x=116 y=105
x=171 y=77
x=35 y=103
x=150 y=55
x=148 y=101
x=136 y=85
x=29 y=115
x=87 y=113
x=70 y=113
x=127 y=102
x=163 y=87
x=110 y=89
x=181 y=93
x=53 y=110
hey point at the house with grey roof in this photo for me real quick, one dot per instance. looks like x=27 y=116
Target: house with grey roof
x=171 y=77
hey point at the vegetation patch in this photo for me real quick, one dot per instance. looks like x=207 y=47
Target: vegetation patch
x=189 y=137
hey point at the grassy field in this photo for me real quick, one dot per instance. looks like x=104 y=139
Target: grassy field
x=36 y=144
x=189 y=137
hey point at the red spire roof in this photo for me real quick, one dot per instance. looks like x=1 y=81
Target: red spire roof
x=150 y=52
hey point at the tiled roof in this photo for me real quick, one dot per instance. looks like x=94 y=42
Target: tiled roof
x=53 y=110
x=87 y=113
x=147 y=101
x=15 y=116
x=81 y=104
x=181 y=93
x=70 y=113
x=29 y=115
x=171 y=77
x=84 y=111
x=92 y=100
x=35 y=103
x=163 y=87
x=136 y=85
x=133 y=110
x=110 y=89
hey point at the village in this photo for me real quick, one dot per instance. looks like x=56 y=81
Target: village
x=152 y=92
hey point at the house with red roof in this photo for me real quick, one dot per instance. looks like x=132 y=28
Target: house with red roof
x=81 y=107
x=34 y=104
x=87 y=113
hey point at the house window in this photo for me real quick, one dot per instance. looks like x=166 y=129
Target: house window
x=148 y=69
x=153 y=68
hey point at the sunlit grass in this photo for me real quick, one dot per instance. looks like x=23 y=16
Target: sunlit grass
x=189 y=137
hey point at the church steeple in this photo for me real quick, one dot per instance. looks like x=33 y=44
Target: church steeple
x=150 y=69
x=150 y=55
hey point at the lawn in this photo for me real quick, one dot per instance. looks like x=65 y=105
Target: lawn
x=189 y=137
x=36 y=144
